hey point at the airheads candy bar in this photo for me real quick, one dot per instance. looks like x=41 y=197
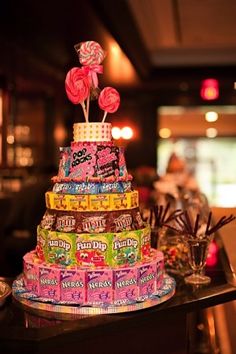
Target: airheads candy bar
x=76 y=188
x=92 y=187
x=92 y=179
x=72 y=283
x=92 y=202
x=90 y=222
x=99 y=287
x=125 y=285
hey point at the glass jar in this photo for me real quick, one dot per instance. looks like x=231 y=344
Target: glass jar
x=156 y=234
x=175 y=253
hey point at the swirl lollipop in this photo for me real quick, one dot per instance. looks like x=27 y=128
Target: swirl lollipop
x=109 y=101
x=77 y=85
x=90 y=53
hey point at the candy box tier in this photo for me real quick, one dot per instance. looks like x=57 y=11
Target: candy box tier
x=92 y=159
x=96 y=187
x=92 y=202
x=102 y=285
x=114 y=249
x=97 y=221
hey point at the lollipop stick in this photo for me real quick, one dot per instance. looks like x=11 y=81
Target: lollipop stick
x=104 y=117
x=88 y=100
x=84 y=110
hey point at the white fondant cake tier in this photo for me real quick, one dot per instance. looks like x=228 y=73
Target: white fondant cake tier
x=92 y=132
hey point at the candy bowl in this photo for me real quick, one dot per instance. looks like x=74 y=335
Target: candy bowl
x=175 y=254
x=5 y=291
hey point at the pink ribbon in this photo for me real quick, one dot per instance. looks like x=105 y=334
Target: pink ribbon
x=92 y=71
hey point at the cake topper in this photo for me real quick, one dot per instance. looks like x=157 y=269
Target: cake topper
x=81 y=83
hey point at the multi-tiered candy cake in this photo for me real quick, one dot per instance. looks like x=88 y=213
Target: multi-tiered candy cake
x=93 y=247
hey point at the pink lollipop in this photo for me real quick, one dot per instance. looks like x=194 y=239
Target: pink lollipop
x=77 y=85
x=109 y=100
x=91 y=53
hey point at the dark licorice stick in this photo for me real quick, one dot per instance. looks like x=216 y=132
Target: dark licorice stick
x=188 y=222
x=151 y=216
x=174 y=215
x=216 y=226
x=208 y=222
x=156 y=212
x=175 y=229
x=165 y=212
x=196 y=225
x=186 y=226
x=179 y=222
x=223 y=221
x=160 y=213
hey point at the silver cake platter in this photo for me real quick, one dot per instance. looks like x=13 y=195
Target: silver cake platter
x=31 y=301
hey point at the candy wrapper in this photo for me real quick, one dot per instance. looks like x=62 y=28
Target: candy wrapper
x=107 y=161
x=72 y=284
x=99 y=287
x=49 y=280
x=92 y=250
x=122 y=163
x=61 y=248
x=31 y=275
x=125 y=249
x=64 y=163
x=125 y=286
x=147 y=280
x=83 y=161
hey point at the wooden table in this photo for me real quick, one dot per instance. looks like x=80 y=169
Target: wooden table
x=165 y=328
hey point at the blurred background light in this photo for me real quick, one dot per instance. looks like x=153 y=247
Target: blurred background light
x=165 y=133
x=127 y=133
x=211 y=116
x=116 y=133
x=211 y=132
x=209 y=89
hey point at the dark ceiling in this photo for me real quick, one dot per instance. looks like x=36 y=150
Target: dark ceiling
x=162 y=38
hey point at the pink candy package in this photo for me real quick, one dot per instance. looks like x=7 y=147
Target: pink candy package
x=160 y=273
x=125 y=285
x=31 y=278
x=99 y=287
x=147 y=280
x=73 y=286
x=49 y=278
